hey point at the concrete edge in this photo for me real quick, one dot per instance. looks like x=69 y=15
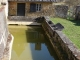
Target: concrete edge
x=11 y=46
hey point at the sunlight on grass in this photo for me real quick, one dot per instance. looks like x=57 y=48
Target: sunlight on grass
x=72 y=29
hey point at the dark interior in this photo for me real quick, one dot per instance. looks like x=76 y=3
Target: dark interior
x=21 y=9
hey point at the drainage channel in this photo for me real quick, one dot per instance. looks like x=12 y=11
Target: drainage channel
x=30 y=43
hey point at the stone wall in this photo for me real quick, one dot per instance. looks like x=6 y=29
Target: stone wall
x=12 y=8
x=77 y=13
x=64 y=48
x=47 y=9
x=61 y=11
x=3 y=31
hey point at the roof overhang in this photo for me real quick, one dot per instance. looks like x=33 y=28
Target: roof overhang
x=33 y=0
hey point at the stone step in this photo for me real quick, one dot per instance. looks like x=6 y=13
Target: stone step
x=20 y=18
x=22 y=23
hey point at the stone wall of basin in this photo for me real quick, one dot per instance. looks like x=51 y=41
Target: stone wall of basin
x=64 y=48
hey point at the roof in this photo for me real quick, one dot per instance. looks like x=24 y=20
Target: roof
x=35 y=0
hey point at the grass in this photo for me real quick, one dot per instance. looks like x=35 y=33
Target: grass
x=71 y=30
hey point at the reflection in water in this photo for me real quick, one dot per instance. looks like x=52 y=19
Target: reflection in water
x=31 y=44
x=38 y=46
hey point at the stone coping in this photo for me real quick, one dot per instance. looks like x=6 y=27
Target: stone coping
x=75 y=51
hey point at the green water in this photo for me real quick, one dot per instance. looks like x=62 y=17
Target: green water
x=30 y=43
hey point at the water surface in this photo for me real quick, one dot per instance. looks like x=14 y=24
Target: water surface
x=30 y=43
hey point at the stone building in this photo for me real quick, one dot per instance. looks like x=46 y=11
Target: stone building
x=31 y=8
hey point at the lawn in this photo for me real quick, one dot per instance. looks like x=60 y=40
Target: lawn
x=71 y=30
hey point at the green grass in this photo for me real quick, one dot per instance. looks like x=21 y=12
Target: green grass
x=71 y=29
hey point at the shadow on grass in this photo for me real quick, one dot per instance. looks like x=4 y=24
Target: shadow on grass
x=76 y=22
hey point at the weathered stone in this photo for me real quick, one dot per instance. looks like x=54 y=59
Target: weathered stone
x=46 y=9
x=61 y=11
x=77 y=13
x=64 y=48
